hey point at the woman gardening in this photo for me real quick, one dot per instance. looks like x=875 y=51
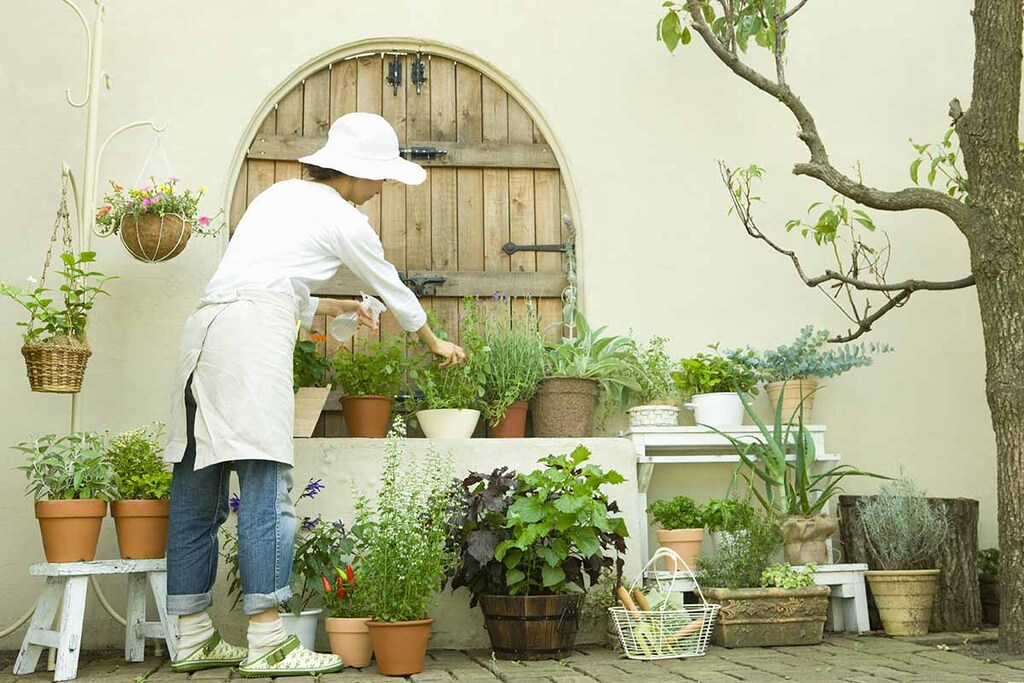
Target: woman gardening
x=233 y=403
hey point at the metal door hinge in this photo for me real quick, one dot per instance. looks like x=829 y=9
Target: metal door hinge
x=395 y=73
x=418 y=72
x=423 y=285
x=422 y=153
x=511 y=247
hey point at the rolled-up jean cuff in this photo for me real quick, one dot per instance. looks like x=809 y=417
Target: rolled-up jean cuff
x=261 y=602
x=181 y=605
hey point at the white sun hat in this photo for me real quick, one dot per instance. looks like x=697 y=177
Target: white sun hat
x=365 y=146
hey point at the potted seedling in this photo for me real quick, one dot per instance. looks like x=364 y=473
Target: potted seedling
x=72 y=482
x=371 y=378
x=682 y=530
x=713 y=384
x=657 y=396
x=142 y=509
x=514 y=369
x=904 y=532
x=764 y=604
x=724 y=517
x=527 y=546
x=310 y=383
x=347 y=616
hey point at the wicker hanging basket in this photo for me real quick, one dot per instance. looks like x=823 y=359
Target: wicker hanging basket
x=153 y=238
x=55 y=367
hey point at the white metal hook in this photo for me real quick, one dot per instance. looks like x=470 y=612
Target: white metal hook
x=88 y=47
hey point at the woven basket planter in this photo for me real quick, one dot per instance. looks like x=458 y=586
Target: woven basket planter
x=56 y=368
x=154 y=238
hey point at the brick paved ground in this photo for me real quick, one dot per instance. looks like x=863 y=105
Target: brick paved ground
x=841 y=659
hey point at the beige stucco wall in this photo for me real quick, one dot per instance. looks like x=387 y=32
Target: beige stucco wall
x=640 y=131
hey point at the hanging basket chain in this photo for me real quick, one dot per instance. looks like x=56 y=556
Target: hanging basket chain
x=62 y=223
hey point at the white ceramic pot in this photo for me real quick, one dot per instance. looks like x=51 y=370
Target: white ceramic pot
x=448 y=423
x=721 y=410
x=653 y=416
x=302 y=625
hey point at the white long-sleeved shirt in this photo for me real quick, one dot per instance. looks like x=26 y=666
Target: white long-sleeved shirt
x=293 y=237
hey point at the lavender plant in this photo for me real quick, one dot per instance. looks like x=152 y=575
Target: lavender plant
x=904 y=530
x=515 y=363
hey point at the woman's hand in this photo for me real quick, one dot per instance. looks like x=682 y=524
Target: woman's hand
x=356 y=305
x=452 y=354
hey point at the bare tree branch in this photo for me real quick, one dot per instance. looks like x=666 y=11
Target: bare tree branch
x=789 y=15
x=864 y=324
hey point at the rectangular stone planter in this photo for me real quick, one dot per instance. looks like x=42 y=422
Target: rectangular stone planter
x=769 y=617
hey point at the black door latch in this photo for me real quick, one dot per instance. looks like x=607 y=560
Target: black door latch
x=424 y=285
x=511 y=247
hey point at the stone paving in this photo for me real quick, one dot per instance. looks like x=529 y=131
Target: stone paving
x=844 y=659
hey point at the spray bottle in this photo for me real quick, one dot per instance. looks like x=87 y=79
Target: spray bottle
x=345 y=325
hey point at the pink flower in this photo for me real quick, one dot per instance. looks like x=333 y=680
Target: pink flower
x=172 y=179
x=148 y=202
x=204 y=221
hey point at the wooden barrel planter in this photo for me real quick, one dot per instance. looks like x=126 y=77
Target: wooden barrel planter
x=532 y=627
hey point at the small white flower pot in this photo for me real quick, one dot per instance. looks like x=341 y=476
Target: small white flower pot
x=303 y=625
x=721 y=410
x=448 y=423
x=653 y=416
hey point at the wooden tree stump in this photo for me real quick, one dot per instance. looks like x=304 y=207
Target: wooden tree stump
x=957 y=605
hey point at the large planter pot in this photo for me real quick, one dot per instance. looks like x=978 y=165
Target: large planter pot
x=141 y=528
x=513 y=425
x=309 y=403
x=805 y=537
x=794 y=391
x=367 y=416
x=55 y=367
x=532 y=627
x=400 y=647
x=448 y=423
x=303 y=626
x=564 y=407
x=350 y=640
x=722 y=410
x=653 y=416
x=904 y=599
x=989 y=588
x=154 y=238
x=769 y=617
x=70 y=528
x=685 y=543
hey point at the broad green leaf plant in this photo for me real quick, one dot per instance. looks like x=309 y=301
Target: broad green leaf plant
x=70 y=467
x=376 y=369
x=589 y=354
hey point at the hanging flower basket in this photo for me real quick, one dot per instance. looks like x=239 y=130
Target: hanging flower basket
x=56 y=368
x=155 y=238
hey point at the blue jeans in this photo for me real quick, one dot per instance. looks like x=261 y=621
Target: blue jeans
x=266 y=529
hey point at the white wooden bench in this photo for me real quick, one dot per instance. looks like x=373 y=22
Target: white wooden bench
x=848 y=606
x=66 y=587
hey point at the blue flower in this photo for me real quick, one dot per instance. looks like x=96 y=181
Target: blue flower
x=339 y=526
x=313 y=488
x=235 y=502
x=308 y=524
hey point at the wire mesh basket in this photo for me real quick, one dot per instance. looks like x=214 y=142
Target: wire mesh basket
x=671 y=629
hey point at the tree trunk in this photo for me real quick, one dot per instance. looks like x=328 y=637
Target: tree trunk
x=957 y=605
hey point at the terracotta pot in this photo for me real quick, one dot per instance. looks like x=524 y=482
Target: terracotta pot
x=152 y=238
x=795 y=389
x=367 y=416
x=805 y=537
x=141 y=528
x=350 y=640
x=448 y=423
x=769 y=617
x=401 y=646
x=904 y=599
x=564 y=407
x=309 y=403
x=531 y=627
x=70 y=528
x=686 y=544
x=513 y=425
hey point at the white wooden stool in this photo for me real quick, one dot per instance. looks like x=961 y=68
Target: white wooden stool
x=848 y=604
x=66 y=587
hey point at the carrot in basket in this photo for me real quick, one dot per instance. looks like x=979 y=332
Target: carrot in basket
x=688 y=630
x=624 y=598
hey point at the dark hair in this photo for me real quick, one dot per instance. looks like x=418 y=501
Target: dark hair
x=321 y=173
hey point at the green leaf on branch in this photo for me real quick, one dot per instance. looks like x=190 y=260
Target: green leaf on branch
x=669 y=30
x=914 y=168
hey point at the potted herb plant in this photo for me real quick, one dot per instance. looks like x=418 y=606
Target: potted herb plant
x=155 y=222
x=515 y=366
x=347 y=618
x=780 y=460
x=371 y=378
x=310 y=383
x=401 y=543
x=763 y=604
x=657 y=395
x=143 y=505
x=578 y=368
x=724 y=517
x=682 y=530
x=904 y=532
x=792 y=371
x=712 y=383
x=988 y=580
x=54 y=344
x=453 y=396
x=528 y=544
x=72 y=482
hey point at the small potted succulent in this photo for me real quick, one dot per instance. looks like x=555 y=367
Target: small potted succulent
x=371 y=378
x=904 y=532
x=347 y=616
x=763 y=604
x=155 y=222
x=712 y=383
x=310 y=383
x=72 y=482
x=578 y=369
x=682 y=530
x=527 y=546
x=515 y=366
x=54 y=344
x=401 y=542
x=143 y=504
x=657 y=397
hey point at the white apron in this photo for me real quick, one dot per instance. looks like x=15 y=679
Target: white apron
x=238 y=351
